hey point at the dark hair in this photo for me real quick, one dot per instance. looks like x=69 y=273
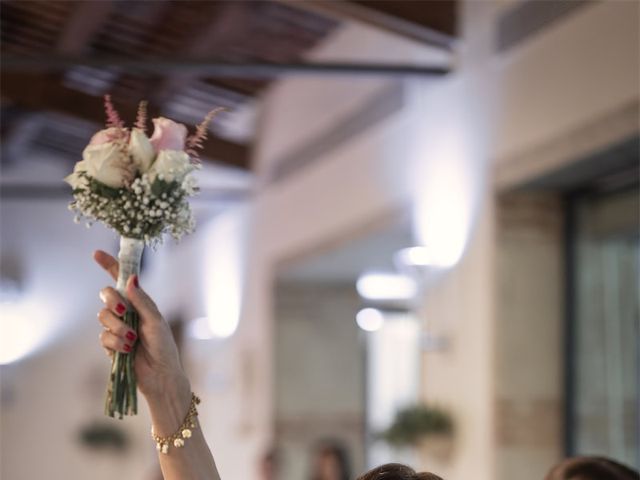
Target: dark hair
x=397 y=471
x=591 y=468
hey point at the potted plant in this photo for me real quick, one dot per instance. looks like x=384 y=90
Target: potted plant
x=427 y=428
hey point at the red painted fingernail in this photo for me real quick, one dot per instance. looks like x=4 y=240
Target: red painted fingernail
x=130 y=335
x=127 y=348
x=135 y=281
x=120 y=309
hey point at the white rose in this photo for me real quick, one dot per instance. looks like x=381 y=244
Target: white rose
x=172 y=165
x=75 y=180
x=107 y=164
x=141 y=150
x=107 y=135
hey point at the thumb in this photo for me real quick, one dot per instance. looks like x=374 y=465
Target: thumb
x=142 y=302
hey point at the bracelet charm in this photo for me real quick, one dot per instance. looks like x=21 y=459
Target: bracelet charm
x=183 y=432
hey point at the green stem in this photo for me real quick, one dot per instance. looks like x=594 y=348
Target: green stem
x=121 y=389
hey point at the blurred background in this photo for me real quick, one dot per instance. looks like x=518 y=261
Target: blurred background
x=417 y=233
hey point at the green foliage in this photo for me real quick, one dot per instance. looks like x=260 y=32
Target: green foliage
x=100 y=436
x=413 y=423
x=158 y=187
x=104 y=190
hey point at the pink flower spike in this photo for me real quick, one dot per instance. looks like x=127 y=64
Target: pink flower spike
x=195 y=141
x=141 y=118
x=113 y=118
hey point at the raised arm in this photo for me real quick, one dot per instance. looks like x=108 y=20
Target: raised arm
x=160 y=376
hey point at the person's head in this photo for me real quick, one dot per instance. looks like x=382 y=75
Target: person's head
x=331 y=461
x=591 y=468
x=269 y=465
x=397 y=471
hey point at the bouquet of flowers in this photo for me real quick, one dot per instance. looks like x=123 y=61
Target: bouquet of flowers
x=139 y=187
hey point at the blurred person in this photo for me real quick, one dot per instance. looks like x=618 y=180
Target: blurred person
x=591 y=468
x=269 y=465
x=165 y=387
x=330 y=461
x=397 y=471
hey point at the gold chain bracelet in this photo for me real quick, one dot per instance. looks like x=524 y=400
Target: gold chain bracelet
x=183 y=432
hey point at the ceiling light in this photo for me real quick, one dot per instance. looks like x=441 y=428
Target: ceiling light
x=224 y=271
x=23 y=330
x=370 y=319
x=386 y=286
x=415 y=257
x=199 y=329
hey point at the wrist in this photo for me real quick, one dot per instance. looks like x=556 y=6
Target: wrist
x=169 y=406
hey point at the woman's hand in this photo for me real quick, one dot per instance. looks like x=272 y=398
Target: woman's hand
x=159 y=374
x=157 y=364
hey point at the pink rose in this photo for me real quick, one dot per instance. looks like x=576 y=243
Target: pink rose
x=105 y=136
x=168 y=135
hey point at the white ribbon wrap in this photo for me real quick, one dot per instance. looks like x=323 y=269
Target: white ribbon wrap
x=129 y=257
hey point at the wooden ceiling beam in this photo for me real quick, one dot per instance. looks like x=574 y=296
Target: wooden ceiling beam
x=82 y=26
x=213 y=68
x=430 y=22
x=202 y=46
x=38 y=92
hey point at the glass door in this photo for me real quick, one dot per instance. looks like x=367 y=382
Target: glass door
x=604 y=328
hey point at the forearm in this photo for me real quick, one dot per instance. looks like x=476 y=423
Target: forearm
x=193 y=461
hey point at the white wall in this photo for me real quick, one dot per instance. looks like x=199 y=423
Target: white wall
x=581 y=68
x=528 y=346
x=316 y=337
x=48 y=396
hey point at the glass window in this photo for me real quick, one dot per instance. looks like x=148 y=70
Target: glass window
x=604 y=328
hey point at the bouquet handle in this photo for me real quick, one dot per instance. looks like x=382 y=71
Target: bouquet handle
x=129 y=258
x=121 y=388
